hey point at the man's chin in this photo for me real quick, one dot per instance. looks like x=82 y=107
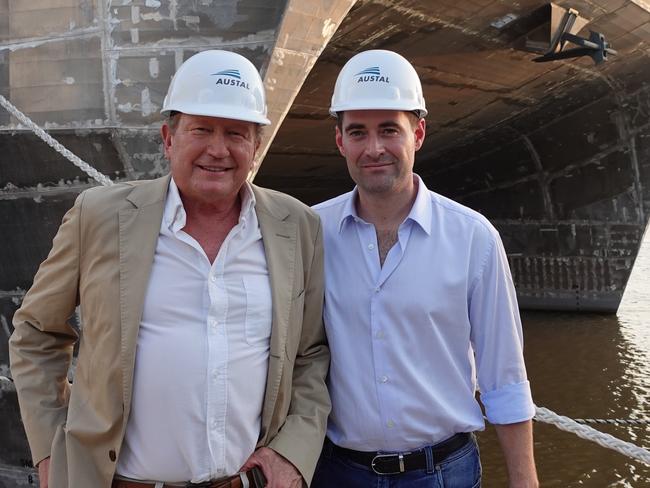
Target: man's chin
x=380 y=185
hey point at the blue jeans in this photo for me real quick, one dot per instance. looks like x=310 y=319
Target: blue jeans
x=461 y=469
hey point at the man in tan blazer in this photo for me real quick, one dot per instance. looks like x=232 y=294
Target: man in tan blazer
x=130 y=257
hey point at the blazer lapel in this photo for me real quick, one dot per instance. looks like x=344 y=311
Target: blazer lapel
x=139 y=227
x=280 y=238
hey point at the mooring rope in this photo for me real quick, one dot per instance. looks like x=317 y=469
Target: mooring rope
x=584 y=431
x=54 y=144
x=614 y=421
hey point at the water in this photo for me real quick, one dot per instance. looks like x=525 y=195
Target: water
x=587 y=366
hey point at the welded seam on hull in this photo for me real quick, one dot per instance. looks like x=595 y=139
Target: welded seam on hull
x=542 y=176
x=33 y=42
x=38 y=192
x=206 y=42
x=593 y=160
x=104 y=43
x=464 y=140
x=411 y=12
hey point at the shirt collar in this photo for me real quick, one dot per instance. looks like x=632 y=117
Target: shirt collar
x=421 y=211
x=174 y=216
x=349 y=210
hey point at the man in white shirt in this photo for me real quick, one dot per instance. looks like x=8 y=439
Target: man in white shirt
x=420 y=308
x=202 y=352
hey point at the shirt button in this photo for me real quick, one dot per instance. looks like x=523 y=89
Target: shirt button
x=213 y=278
x=215 y=374
x=377 y=289
x=213 y=323
x=390 y=424
x=380 y=334
x=384 y=379
x=371 y=246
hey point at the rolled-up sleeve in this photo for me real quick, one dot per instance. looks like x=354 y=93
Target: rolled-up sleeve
x=497 y=339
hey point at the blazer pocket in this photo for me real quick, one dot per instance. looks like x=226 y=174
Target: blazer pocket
x=300 y=294
x=295 y=325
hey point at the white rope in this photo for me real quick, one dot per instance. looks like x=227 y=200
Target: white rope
x=54 y=144
x=614 y=421
x=584 y=431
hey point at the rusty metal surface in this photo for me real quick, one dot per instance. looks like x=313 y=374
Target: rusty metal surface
x=555 y=154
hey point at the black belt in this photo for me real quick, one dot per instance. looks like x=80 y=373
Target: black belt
x=400 y=462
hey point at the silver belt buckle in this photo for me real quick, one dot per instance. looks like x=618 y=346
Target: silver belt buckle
x=399 y=456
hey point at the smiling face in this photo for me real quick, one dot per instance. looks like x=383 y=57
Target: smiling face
x=210 y=158
x=379 y=147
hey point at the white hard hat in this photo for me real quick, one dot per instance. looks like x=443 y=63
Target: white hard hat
x=218 y=84
x=378 y=80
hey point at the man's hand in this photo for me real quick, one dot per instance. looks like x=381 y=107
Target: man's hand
x=279 y=472
x=43 y=472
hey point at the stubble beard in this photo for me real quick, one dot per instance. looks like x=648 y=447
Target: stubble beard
x=384 y=183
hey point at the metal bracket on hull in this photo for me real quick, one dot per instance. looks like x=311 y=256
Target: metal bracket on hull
x=549 y=29
x=565 y=24
x=596 y=47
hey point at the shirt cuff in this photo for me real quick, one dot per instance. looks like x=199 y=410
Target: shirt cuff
x=509 y=404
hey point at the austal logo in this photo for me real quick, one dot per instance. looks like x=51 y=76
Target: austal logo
x=371 y=74
x=230 y=77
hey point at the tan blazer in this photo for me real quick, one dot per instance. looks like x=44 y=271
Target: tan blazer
x=101 y=259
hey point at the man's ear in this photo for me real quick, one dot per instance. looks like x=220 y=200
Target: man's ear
x=420 y=132
x=166 y=134
x=339 y=141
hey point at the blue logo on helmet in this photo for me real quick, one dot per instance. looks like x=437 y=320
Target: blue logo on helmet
x=371 y=74
x=230 y=77
x=229 y=72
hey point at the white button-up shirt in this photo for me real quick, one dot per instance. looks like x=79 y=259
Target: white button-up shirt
x=410 y=340
x=202 y=353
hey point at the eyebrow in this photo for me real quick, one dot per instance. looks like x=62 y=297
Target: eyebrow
x=356 y=126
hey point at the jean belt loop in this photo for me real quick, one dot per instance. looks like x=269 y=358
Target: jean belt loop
x=429 y=456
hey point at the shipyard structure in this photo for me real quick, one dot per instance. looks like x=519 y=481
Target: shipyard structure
x=539 y=118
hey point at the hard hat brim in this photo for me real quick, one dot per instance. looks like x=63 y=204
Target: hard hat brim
x=219 y=111
x=377 y=105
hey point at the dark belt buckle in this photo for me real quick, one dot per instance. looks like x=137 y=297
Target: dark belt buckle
x=397 y=456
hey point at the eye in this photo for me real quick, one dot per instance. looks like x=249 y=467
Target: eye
x=391 y=131
x=199 y=130
x=355 y=133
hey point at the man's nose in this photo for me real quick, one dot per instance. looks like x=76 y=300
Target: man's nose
x=217 y=147
x=375 y=146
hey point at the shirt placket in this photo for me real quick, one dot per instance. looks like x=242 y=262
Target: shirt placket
x=386 y=381
x=217 y=373
x=370 y=252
